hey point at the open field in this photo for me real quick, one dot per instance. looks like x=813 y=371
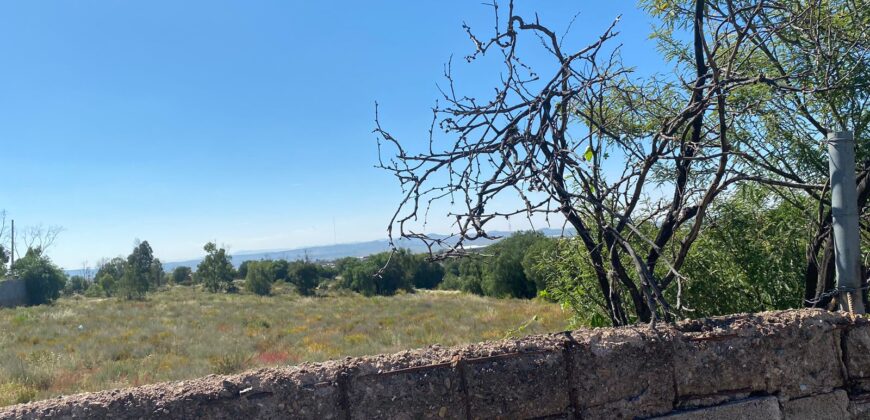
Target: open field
x=82 y=344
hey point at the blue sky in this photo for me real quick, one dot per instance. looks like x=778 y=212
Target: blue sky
x=248 y=123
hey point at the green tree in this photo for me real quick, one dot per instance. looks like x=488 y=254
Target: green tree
x=750 y=259
x=379 y=274
x=76 y=285
x=243 y=269
x=426 y=274
x=465 y=274
x=43 y=280
x=157 y=274
x=305 y=275
x=281 y=269
x=537 y=273
x=137 y=278
x=4 y=260
x=182 y=275
x=110 y=274
x=215 y=271
x=505 y=275
x=259 y=278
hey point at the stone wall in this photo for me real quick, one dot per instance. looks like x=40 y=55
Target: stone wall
x=12 y=293
x=801 y=364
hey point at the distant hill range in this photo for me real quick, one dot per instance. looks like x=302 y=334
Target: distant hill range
x=334 y=252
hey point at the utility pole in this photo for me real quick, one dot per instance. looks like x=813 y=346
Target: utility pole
x=844 y=207
x=12 y=264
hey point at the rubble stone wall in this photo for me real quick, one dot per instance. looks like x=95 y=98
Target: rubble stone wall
x=800 y=364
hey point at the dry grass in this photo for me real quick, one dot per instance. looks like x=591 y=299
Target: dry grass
x=82 y=344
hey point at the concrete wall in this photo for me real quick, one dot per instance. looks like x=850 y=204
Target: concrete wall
x=12 y=293
x=802 y=364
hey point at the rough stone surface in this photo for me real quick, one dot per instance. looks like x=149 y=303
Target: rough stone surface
x=303 y=392
x=624 y=372
x=857 y=351
x=859 y=407
x=519 y=384
x=415 y=393
x=751 y=409
x=833 y=406
x=790 y=353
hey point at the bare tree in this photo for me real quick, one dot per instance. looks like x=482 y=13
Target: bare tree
x=40 y=237
x=553 y=138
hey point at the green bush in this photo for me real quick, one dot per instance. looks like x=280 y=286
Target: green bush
x=43 y=280
x=260 y=277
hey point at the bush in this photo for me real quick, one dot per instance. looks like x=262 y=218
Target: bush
x=260 y=277
x=42 y=278
x=305 y=276
x=182 y=275
x=75 y=285
x=379 y=274
x=215 y=271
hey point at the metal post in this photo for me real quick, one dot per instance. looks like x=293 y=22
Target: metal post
x=12 y=264
x=844 y=206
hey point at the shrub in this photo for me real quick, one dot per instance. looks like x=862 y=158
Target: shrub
x=42 y=278
x=259 y=280
x=305 y=276
x=182 y=275
x=215 y=271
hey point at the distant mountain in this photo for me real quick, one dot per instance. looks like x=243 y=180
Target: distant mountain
x=333 y=252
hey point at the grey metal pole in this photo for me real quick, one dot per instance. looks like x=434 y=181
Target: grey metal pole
x=844 y=206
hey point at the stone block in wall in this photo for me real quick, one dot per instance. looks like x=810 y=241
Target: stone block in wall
x=859 y=406
x=857 y=353
x=831 y=406
x=528 y=381
x=623 y=373
x=789 y=353
x=291 y=393
x=412 y=393
x=750 y=409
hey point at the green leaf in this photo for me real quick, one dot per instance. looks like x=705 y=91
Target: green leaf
x=588 y=155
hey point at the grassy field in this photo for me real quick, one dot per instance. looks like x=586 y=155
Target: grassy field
x=82 y=344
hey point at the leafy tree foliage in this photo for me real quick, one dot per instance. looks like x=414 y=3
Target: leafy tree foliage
x=4 y=260
x=43 y=280
x=427 y=274
x=215 y=271
x=305 y=275
x=157 y=275
x=76 y=285
x=137 y=277
x=182 y=275
x=243 y=269
x=110 y=274
x=503 y=271
x=260 y=276
x=281 y=269
x=379 y=274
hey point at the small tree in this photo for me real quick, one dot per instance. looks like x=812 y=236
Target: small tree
x=109 y=275
x=215 y=271
x=259 y=278
x=137 y=277
x=304 y=275
x=243 y=269
x=4 y=259
x=76 y=285
x=182 y=275
x=156 y=273
x=42 y=278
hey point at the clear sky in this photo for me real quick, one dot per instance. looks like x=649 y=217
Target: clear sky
x=244 y=122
